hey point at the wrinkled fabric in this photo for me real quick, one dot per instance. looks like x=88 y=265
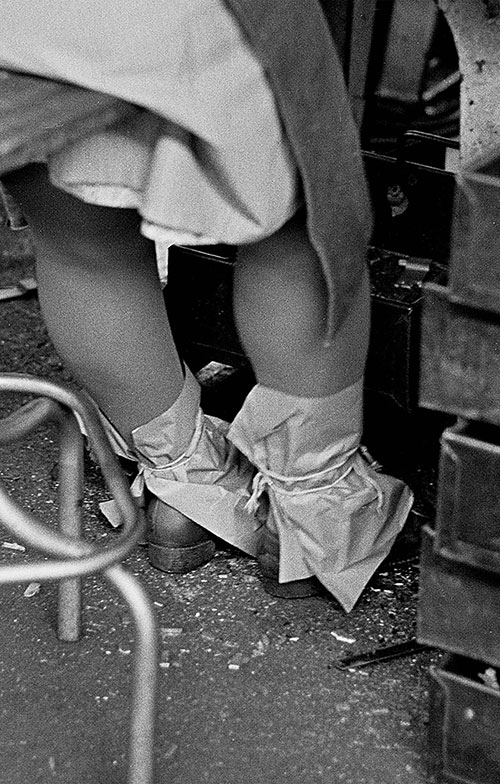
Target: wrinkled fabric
x=205 y=158
x=210 y=482
x=335 y=516
x=292 y=463
x=243 y=95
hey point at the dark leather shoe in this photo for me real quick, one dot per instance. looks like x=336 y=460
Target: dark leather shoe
x=175 y=543
x=268 y=560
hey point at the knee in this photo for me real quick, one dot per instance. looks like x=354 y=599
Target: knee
x=280 y=287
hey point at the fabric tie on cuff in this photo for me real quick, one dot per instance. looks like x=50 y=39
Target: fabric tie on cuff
x=278 y=483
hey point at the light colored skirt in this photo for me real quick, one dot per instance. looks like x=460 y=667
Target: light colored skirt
x=205 y=159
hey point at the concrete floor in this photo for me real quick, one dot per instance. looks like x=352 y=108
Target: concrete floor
x=249 y=691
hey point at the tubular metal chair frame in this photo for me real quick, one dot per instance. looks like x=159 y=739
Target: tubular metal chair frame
x=72 y=557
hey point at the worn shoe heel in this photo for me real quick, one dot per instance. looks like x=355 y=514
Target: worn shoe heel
x=268 y=561
x=175 y=543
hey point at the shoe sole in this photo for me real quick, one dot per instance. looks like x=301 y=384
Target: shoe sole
x=268 y=560
x=179 y=560
x=297 y=589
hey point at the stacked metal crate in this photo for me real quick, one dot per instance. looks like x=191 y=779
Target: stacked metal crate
x=459 y=604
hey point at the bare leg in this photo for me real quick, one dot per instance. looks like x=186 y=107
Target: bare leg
x=101 y=301
x=301 y=424
x=280 y=309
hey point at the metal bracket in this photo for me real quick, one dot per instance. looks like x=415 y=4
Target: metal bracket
x=413 y=272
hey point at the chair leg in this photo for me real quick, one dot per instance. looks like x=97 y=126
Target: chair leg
x=69 y=623
x=143 y=703
x=72 y=557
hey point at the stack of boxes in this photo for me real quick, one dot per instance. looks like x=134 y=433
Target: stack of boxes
x=459 y=603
